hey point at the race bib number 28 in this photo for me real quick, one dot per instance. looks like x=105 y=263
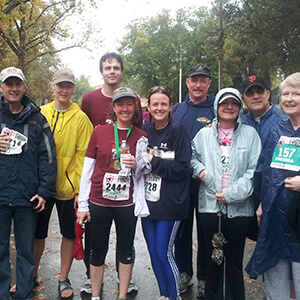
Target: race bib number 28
x=287 y=154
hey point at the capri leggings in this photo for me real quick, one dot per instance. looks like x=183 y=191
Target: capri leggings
x=160 y=237
x=101 y=221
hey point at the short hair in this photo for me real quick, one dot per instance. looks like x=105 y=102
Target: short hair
x=109 y=56
x=292 y=80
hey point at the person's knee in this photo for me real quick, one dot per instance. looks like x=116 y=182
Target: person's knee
x=126 y=257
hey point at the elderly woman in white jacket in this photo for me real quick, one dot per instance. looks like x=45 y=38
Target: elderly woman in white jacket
x=224 y=157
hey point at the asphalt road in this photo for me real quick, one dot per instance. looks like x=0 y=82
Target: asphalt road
x=142 y=273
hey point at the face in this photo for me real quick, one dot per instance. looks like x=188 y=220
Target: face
x=63 y=92
x=124 y=109
x=198 y=86
x=111 y=72
x=228 y=110
x=257 y=100
x=290 y=101
x=13 y=90
x=159 y=107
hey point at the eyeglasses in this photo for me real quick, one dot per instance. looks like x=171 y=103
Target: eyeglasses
x=258 y=91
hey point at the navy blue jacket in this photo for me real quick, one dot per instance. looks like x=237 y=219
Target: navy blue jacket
x=193 y=116
x=277 y=239
x=174 y=194
x=273 y=116
x=34 y=170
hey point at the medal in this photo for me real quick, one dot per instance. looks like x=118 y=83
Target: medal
x=117 y=165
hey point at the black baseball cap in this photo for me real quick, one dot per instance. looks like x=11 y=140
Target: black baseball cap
x=199 y=70
x=252 y=81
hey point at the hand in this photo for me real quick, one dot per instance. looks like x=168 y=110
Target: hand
x=81 y=215
x=150 y=155
x=202 y=175
x=293 y=183
x=220 y=198
x=259 y=214
x=76 y=200
x=41 y=204
x=4 y=142
x=130 y=162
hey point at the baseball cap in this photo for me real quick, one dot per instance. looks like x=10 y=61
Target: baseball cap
x=199 y=70
x=252 y=81
x=226 y=93
x=122 y=92
x=11 y=72
x=63 y=75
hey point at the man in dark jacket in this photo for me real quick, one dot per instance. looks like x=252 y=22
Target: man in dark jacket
x=194 y=113
x=27 y=178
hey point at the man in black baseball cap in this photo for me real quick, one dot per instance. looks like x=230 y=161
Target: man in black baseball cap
x=194 y=113
x=263 y=115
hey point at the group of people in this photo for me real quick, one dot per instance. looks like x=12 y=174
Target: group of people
x=238 y=172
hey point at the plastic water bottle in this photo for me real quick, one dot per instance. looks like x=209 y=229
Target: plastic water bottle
x=155 y=151
x=125 y=153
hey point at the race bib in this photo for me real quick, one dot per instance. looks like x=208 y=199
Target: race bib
x=225 y=158
x=152 y=187
x=287 y=154
x=115 y=187
x=18 y=140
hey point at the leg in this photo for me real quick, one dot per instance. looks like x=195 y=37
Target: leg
x=24 y=229
x=277 y=281
x=38 y=249
x=125 y=228
x=235 y=231
x=296 y=276
x=5 y=228
x=101 y=220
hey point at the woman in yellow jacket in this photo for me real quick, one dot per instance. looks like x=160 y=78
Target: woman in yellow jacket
x=72 y=130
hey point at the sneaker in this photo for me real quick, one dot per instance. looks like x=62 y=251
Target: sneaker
x=87 y=288
x=201 y=289
x=132 y=287
x=185 y=280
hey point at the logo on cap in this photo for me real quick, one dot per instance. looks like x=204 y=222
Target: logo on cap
x=252 y=78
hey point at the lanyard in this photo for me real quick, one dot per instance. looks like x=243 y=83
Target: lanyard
x=117 y=138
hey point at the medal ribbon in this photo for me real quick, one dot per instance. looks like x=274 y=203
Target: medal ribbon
x=117 y=144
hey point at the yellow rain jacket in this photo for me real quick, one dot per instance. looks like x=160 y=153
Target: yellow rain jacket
x=72 y=130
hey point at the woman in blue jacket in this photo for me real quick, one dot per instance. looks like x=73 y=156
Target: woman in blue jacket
x=224 y=157
x=166 y=189
x=277 y=253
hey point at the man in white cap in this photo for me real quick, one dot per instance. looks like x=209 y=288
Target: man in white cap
x=27 y=180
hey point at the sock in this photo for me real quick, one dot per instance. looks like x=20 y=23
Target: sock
x=95 y=298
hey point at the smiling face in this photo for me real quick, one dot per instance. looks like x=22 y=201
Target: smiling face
x=198 y=86
x=290 y=101
x=124 y=109
x=111 y=72
x=228 y=111
x=13 y=90
x=257 y=100
x=159 y=107
x=63 y=92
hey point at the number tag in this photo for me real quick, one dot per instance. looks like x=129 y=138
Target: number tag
x=152 y=187
x=115 y=187
x=18 y=140
x=225 y=158
x=287 y=154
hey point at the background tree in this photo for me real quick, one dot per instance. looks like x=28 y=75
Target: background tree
x=82 y=87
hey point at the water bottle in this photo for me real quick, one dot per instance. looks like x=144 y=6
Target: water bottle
x=125 y=153
x=155 y=151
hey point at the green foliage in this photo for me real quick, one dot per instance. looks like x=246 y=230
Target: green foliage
x=82 y=87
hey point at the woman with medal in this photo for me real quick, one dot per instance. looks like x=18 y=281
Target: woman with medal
x=224 y=157
x=105 y=196
x=277 y=182
x=166 y=189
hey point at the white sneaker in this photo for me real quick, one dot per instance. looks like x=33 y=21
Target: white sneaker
x=132 y=287
x=87 y=288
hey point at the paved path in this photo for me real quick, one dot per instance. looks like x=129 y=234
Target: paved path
x=142 y=273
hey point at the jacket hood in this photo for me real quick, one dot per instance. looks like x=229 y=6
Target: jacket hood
x=208 y=102
x=233 y=92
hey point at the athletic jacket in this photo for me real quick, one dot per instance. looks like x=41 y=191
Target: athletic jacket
x=34 y=170
x=244 y=152
x=72 y=130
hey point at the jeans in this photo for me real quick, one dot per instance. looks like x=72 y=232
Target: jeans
x=24 y=229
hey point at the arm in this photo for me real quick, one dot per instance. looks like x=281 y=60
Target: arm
x=85 y=189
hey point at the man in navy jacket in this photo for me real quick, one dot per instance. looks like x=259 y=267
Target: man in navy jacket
x=27 y=178
x=194 y=113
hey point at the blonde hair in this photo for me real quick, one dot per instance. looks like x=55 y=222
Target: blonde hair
x=292 y=80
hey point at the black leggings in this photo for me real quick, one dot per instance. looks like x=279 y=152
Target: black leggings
x=101 y=221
